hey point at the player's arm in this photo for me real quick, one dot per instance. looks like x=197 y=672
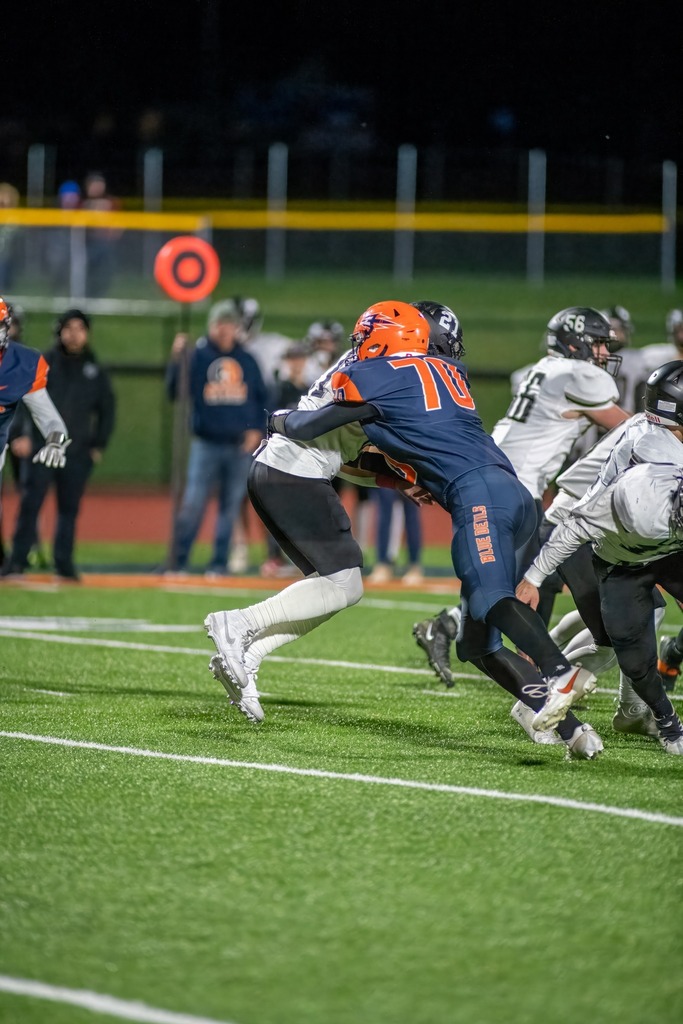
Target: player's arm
x=48 y=420
x=371 y=469
x=607 y=418
x=563 y=542
x=305 y=425
x=593 y=393
x=44 y=413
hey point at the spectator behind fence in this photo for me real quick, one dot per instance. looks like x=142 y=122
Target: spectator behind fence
x=58 y=240
x=82 y=393
x=9 y=199
x=100 y=243
x=228 y=399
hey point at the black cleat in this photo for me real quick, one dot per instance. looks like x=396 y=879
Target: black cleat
x=669 y=664
x=435 y=637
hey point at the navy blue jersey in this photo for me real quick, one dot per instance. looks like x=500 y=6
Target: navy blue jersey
x=428 y=424
x=22 y=370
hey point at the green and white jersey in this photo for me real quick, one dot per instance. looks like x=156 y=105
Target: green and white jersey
x=323 y=457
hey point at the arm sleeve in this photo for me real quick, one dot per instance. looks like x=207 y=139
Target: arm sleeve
x=564 y=541
x=305 y=425
x=44 y=413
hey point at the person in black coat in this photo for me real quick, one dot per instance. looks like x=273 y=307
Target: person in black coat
x=81 y=390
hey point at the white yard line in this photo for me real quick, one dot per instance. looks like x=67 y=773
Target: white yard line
x=378 y=780
x=130 y=645
x=124 y=1009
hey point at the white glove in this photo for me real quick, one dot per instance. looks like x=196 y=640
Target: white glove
x=53 y=453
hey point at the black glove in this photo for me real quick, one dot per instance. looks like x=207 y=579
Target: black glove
x=276 y=421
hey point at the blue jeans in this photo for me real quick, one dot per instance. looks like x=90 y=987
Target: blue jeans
x=211 y=467
x=386 y=499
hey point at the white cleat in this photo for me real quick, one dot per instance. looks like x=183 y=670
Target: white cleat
x=635 y=718
x=563 y=691
x=524 y=715
x=245 y=699
x=229 y=633
x=674 y=746
x=585 y=744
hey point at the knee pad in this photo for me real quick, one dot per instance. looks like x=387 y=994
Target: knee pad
x=350 y=583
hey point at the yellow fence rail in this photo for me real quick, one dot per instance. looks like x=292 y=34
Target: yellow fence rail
x=343 y=220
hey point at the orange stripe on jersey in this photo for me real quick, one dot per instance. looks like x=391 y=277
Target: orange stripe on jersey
x=40 y=379
x=344 y=388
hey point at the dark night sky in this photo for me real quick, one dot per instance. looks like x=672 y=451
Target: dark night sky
x=579 y=78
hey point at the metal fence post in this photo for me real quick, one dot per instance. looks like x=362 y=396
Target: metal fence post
x=535 y=246
x=35 y=196
x=669 y=190
x=152 y=190
x=277 y=202
x=404 y=238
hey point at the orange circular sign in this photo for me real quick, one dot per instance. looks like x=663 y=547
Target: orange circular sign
x=187 y=268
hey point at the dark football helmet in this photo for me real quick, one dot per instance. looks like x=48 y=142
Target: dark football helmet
x=388 y=329
x=664 y=394
x=325 y=332
x=578 y=332
x=621 y=323
x=5 y=322
x=445 y=332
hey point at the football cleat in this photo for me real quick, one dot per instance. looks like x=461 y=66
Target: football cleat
x=635 y=718
x=674 y=746
x=669 y=663
x=230 y=634
x=670 y=732
x=245 y=699
x=435 y=637
x=524 y=715
x=564 y=690
x=584 y=744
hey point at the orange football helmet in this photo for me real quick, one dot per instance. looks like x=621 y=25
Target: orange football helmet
x=5 y=322
x=388 y=329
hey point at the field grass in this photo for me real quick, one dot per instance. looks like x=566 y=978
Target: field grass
x=225 y=890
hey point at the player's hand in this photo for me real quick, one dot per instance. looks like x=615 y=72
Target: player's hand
x=96 y=455
x=527 y=593
x=53 y=453
x=418 y=495
x=276 y=421
x=252 y=439
x=21 y=447
x=180 y=343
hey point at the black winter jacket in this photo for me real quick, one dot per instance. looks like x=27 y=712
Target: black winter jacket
x=81 y=389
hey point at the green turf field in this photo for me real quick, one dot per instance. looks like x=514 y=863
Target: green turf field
x=287 y=874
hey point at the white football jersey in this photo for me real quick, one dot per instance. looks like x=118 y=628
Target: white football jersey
x=627 y=522
x=636 y=440
x=654 y=356
x=323 y=457
x=268 y=350
x=535 y=433
x=631 y=377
